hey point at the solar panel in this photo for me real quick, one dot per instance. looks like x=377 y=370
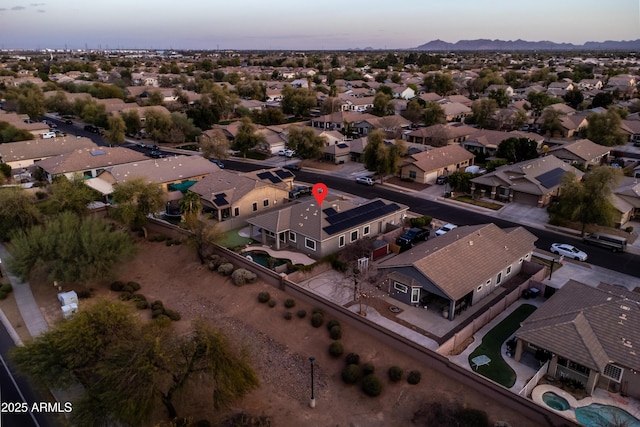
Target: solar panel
x=220 y=200
x=343 y=145
x=329 y=211
x=264 y=175
x=552 y=178
x=98 y=153
x=283 y=173
x=351 y=218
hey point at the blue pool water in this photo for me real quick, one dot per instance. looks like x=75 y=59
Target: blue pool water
x=554 y=401
x=596 y=415
x=262 y=258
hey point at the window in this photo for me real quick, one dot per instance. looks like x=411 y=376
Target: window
x=508 y=270
x=412 y=174
x=499 y=278
x=479 y=288
x=292 y=236
x=341 y=241
x=366 y=230
x=255 y=206
x=520 y=261
x=236 y=212
x=400 y=287
x=415 y=295
x=265 y=202
x=309 y=244
x=488 y=282
x=354 y=235
x=613 y=372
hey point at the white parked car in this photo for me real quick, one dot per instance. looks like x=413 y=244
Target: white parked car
x=364 y=180
x=569 y=251
x=445 y=229
x=286 y=153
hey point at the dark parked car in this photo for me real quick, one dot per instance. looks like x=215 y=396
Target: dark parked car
x=92 y=129
x=217 y=162
x=412 y=236
x=292 y=167
x=156 y=154
x=441 y=180
x=153 y=147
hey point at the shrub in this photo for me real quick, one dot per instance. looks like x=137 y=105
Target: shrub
x=473 y=417
x=82 y=293
x=263 y=297
x=142 y=304
x=162 y=319
x=336 y=349
x=317 y=310
x=157 y=305
x=331 y=323
x=395 y=374
x=289 y=303
x=225 y=269
x=336 y=332
x=125 y=296
x=353 y=359
x=241 y=277
x=414 y=377
x=173 y=315
x=214 y=262
x=317 y=320
x=6 y=288
x=116 y=286
x=134 y=285
x=287 y=315
x=271 y=303
x=128 y=288
x=368 y=369
x=629 y=229
x=301 y=314
x=157 y=312
x=350 y=374
x=3 y=295
x=371 y=385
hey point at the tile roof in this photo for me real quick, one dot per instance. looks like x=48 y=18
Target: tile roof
x=168 y=169
x=89 y=158
x=42 y=148
x=591 y=326
x=584 y=149
x=440 y=157
x=460 y=260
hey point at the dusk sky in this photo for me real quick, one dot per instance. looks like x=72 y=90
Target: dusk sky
x=288 y=24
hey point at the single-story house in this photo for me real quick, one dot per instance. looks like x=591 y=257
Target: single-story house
x=22 y=154
x=340 y=120
x=323 y=230
x=426 y=166
x=431 y=274
x=440 y=135
x=238 y=195
x=394 y=124
x=532 y=182
x=588 y=334
x=487 y=141
x=455 y=111
x=629 y=127
x=582 y=152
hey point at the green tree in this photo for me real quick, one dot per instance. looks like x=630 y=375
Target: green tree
x=602 y=99
x=157 y=125
x=460 y=181
x=31 y=101
x=414 y=112
x=517 y=149
x=135 y=200
x=382 y=105
x=71 y=195
x=540 y=100
x=297 y=101
x=132 y=122
x=10 y=133
x=182 y=129
x=17 y=211
x=214 y=144
x=191 y=206
x=483 y=110
x=501 y=97
x=305 y=142
x=551 y=121
x=434 y=114
x=127 y=367
x=574 y=97
x=247 y=137
x=114 y=134
x=605 y=128
x=588 y=201
x=70 y=248
x=380 y=157
x=59 y=103
x=440 y=83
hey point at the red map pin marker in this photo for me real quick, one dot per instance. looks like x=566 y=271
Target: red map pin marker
x=319 y=191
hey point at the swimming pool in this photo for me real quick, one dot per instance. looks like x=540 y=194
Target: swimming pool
x=596 y=415
x=263 y=258
x=556 y=402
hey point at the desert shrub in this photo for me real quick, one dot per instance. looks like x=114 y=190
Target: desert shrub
x=336 y=349
x=371 y=385
x=287 y=315
x=301 y=314
x=244 y=420
x=350 y=374
x=353 y=359
x=157 y=312
x=142 y=304
x=414 y=377
x=241 y=276
x=289 y=303
x=331 y=323
x=6 y=288
x=162 y=320
x=225 y=269
x=134 y=285
x=271 y=303
x=317 y=310
x=628 y=229
x=214 y=262
x=336 y=332
x=3 y=295
x=443 y=414
x=157 y=305
x=317 y=320
x=173 y=315
x=82 y=293
x=128 y=288
x=138 y=297
x=473 y=417
x=125 y=296
x=368 y=369
x=116 y=286
x=395 y=373
x=263 y=297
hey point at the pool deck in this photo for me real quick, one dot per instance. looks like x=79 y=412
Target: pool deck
x=295 y=257
x=600 y=396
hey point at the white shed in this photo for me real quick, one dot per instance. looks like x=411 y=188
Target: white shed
x=67 y=298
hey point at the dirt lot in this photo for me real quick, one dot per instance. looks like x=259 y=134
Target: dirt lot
x=279 y=349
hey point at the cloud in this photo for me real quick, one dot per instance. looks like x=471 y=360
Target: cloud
x=41 y=11
x=18 y=8
x=2 y=9
x=37 y=4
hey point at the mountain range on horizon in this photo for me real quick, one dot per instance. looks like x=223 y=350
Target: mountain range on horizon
x=487 y=44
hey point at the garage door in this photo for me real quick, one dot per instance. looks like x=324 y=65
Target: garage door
x=525 y=199
x=430 y=178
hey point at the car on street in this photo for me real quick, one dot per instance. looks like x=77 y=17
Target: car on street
x=364 y=180
x=153 y=147
x=93 y=129
x=156 y=154
x=445 y=229
x=568 y=251
x=292 y=167
x=68 y=121
x=141 y=145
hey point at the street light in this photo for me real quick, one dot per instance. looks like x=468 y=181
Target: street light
x=312 y=402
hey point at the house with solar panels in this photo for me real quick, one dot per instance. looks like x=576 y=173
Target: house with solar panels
x=322 y=230
x=230 y=195
x=533 y=182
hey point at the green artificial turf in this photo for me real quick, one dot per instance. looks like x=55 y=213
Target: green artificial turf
x=499 y=370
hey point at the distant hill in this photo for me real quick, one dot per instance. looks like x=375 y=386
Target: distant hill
x=486 y=44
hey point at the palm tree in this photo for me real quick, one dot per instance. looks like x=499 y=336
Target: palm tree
x=190 y=206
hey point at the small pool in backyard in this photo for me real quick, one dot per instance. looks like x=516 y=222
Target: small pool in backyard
x=264 y=259
x=556 y=402
x=597 y=415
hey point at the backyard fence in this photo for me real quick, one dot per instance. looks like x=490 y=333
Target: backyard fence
x=533 y=382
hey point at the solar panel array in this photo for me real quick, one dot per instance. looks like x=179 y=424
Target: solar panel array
x=268 y=175
x=552 y=178
x=220 y=199
x=284 y=174
x=356 y=216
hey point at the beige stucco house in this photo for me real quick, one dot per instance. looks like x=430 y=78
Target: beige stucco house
x=426 y=166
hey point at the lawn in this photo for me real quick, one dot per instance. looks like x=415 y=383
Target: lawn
x=231 y=239
x=499 y=370
x=481 y=203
